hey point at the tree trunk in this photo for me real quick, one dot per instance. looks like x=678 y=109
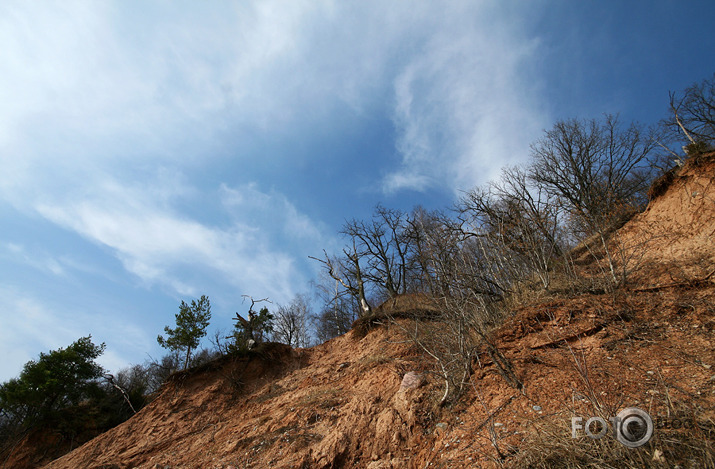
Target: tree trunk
x=188 y=355
x=364 y=305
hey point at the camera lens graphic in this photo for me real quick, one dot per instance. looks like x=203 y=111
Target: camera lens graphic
x=635 y=427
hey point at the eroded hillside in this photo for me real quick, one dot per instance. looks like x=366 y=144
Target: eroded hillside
x=353 y=401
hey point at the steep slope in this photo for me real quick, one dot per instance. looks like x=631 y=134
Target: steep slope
x=343 y=403
x=280 y=408
x=672 y=240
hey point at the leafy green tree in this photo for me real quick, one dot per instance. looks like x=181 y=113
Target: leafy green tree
x=57 y=380
x=191 y=324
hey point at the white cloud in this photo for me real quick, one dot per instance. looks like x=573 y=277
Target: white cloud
x=102 y=77
x=408 y=177
x=162 y=247
x=106 y=108
x=465 y=106
x=43 y=262
x=255 y=208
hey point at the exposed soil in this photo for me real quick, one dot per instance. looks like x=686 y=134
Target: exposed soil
x=672 y=240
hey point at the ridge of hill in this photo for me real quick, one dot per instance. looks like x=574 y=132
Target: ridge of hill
x=369 y=399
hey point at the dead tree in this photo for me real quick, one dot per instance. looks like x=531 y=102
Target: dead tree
x=384 y=245
x=519 y=221
x=110 y=379
x=350 y=276
x=251 y=330
x=692 y=114
x=289 y=323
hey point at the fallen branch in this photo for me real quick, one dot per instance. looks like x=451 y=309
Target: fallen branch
x=690 y=283
x=556 y=343
x=494 y=413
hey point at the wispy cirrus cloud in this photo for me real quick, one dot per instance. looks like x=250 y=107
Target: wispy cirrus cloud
x=91 y=90
x=44 y=262
x=256 y=208
x=159 y=245
x=458 y=82
x=467 y=104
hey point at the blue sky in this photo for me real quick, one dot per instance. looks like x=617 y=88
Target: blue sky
x=155 y=151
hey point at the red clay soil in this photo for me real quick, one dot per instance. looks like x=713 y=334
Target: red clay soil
x=341 y=404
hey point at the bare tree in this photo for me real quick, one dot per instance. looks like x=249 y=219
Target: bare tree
x=333 y=321
x=382 y=259
x=349 y=274
x=464 y=279
x=385 y=246
x=692 y=115
x=435 y=240
x=121 y=389
x=598 y=170
x=520 y=222
x=455 y=255
x=290 y=323
x=338 y=312
x=440 y=243
x=454 y=335
x=158 y=371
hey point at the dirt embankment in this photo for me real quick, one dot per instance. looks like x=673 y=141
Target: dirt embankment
x=307 y=408
x=341 y=404
x=672 y=240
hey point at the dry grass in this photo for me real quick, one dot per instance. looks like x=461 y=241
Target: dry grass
x=661 y=184
x=371 y=361
x=683 y=435
x=325 y=396
x=273 y=391
x=550 y=444
x=407 y=306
